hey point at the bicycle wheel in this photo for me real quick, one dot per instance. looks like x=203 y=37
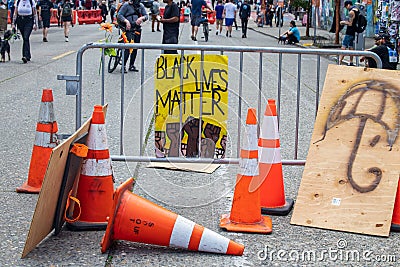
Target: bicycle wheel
x=206 y=31
x=114 y=61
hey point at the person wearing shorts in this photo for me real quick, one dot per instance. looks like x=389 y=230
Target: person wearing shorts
x=44 y=16
x=66 y=19
x=195 y=17
x=348 y=40
x=219 y=11
x=229 y=14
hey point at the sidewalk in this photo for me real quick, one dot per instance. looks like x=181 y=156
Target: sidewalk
x=324 y=39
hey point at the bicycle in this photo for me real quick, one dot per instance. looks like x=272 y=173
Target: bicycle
x=204 y=22
x=116 y=60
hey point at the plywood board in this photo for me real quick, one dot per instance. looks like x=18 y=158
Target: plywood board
x=43 y=217
x=197 y=167
x=352 y=168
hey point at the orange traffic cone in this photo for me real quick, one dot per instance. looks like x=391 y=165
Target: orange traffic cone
x=273 y=200
x=45 y=141
x=245 y=214
x=96 y=185
x=396 y=212
x=136 y=219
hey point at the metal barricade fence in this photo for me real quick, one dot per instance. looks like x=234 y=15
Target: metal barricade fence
x=74 y=87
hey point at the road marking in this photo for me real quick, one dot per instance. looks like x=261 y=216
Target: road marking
x=63 y=55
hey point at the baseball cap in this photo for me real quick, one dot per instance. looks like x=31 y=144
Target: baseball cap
x=348 y=3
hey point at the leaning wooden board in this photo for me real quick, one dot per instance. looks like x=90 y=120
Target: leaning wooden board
x=352 y=169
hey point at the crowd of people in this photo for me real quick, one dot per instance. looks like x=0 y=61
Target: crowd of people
x=27 y=15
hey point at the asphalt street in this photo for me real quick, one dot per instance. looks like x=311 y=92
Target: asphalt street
x=202 y=198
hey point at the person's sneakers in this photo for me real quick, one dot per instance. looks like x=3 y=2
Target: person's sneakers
x=216 y=33
x=230 y=35
x=45 y=39
x=243 y=36
x=66 y=39
x=351 y=64
x=226 y=34
x=133 y=68
x=158 y=30
x=153 y=30
x=123 y=69
x=25 y=60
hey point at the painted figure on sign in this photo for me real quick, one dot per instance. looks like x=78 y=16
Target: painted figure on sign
x=383 y=112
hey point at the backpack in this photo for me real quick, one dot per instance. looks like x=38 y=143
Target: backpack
x=361 y=23
x=67 y=10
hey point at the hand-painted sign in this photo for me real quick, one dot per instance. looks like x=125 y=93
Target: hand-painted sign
x=177 y=106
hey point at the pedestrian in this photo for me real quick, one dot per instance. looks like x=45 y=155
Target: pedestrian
x=292 y=36
x=155 y=11
x=279 y=16
x=11 y=7
x=103 y=11
x=66 y=17
x=195 y=16
x=170 y=21
x=45 y=7
x=244 y=14
x=219 y=10
x=348 y=40
x=59 y=5
x=113 y=9
x=25 y=18
x=94 y=4
x=132 y=14
x=229 y=14
x=386 y=52
x=238 y=4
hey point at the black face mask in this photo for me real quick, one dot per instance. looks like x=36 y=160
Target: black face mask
x=134 y=2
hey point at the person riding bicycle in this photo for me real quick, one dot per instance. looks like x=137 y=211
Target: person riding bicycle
x=130 y=18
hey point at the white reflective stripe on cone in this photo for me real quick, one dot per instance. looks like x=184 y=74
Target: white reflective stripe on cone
x=96 y=167
x=181 y=233
x=269 y=129
x=45 y=139
x=269 y=155
x=213 y=242
x=46 y=112
x=251 y=141
x=97 y=139
x=248 y=167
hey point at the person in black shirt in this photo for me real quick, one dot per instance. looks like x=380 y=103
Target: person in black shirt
x=244 y=14
x=348 y=40
x=44 y=16
x=170 y=22
x=382 y=48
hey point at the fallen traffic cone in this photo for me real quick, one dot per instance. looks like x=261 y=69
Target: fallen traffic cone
x=245 y=214
x=96 y=185
x=396 y=212
x=273 y=200
x=45 y=141
x=136 y=219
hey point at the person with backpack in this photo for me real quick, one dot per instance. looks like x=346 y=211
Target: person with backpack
x=348 y=40
x=25 y=18
x=45 y=7
x=66 y=17
x=244 y=14
x=155 y=11
x=131 y=15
